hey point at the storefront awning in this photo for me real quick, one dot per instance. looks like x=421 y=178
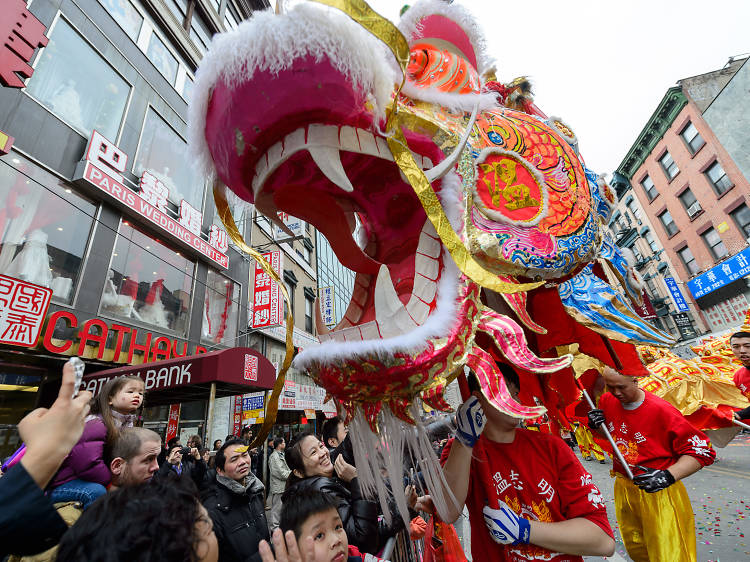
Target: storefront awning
x=235 y=371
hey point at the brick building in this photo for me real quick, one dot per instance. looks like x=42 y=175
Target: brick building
x=694 y=200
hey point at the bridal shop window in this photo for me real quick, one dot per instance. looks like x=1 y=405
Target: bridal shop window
x=148 y=282
x=77 y=85
x=220 y=309
x=44 y=227
x=163 y=153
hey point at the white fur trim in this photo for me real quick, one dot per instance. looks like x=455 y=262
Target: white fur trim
x=438 y=325
x=409 y=25
x=451 y=196
x=496 y=215
x=572 y=141
x=272 y=42
x=455 y=102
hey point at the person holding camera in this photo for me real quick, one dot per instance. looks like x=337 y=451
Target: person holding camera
x=176 y=462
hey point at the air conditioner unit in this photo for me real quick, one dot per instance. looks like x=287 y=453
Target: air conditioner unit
x=694 y=209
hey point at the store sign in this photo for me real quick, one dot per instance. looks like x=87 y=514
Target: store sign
x=251 y=368
x=21 y=34
x=268 y=303
x=300 y=338
x=236 y=415
x=6 y=142
x=252 y=407
x=684 y=325
x=327 y=307
x=94 y=341
x=645 y=310
x=736 y=267
x=329 y=409
x=296 y=225
x=307 y=397
x=172 y=422
x=677 y=297
x=23 y=306
x=289 y=396
x=727 y=314
x=103 y=169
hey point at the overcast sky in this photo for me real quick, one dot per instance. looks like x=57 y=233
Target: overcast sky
x=604 y=65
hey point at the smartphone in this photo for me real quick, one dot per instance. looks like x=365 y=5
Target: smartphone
x=78 y=367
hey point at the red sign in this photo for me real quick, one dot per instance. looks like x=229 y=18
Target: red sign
x=221 y=367
x=103 y=168
x=21 y=33
x=646 y=310
x=95 y=333
x=23 y=306
x=236 y=414
x=174 y=420
x=251 y=368
x=268 y=304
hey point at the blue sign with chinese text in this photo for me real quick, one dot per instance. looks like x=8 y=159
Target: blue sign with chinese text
x=677 y=297
x=736 y=267
x=253 y=402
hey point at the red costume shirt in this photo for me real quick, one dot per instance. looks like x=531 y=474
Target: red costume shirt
x=742 y=381
x=655 y=434
x=540 y=478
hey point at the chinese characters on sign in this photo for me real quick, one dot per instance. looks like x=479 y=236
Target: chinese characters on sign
x=327 y=310
x=268 y=305
x=296 y=225
x=251 y=368
x=103 y=168
x=727 y=313
x=252 y=407
x=684 y=325
x=677 y=298
x=736 y=267
x=236 y=414
x=645 y=310
x=289 y=396
x=173 y=421
x=23 y=306
x=21 y=34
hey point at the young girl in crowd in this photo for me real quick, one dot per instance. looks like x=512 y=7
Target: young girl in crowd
x=84 y=475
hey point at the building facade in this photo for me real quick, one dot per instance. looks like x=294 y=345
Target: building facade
x=694 y=218
x=135 y=258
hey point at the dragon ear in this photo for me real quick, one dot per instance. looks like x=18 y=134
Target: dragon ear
x=446 y=26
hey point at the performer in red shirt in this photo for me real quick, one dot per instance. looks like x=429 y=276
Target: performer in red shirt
x=527 y=494
x=740 y=344
x=653 y=510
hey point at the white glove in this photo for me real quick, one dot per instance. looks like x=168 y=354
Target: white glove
x=470 y=421
x=505 y=526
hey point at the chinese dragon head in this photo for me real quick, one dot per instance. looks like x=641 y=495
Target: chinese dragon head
x=431 y=180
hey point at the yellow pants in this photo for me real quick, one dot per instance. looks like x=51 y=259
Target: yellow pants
x=658 y=527
x=587 y=445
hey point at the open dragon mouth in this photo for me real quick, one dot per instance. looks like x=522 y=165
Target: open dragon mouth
x=378 y=229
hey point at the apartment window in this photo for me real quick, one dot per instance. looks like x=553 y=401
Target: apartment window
x=163 y=60
x=692 y=138
x=668 y=165
x=148 y=282
x=688 y=260
x=691 y=204
x=200 y=33
x=718 y=178
x=651 y=242
x=231 y=17
x=290 y=281
x=126 y=16
x=309 y=315
x=76 y=84
x=669 y=226
x=633 y=208
x=637 y=253
x=221 y=308
x=652 y=291
x=649 y=188
x=45 y=228
x=187 y=88
x=162 y=152
x=741 y=216
x=715 y=245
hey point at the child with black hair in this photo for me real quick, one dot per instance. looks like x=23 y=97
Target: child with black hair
x=312 y=532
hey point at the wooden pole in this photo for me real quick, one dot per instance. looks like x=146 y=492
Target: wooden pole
x=612 y=353
x=210 y=415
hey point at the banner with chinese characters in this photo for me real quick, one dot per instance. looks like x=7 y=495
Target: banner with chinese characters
x=327 y=306
x=236 y=415
x=103 y=169
x=294 y=224
x=268 y=304
x=173 y=422
x=677 y=297
x=684 y=325
x=736 y=267
x=23 y=306
x=645 y=310
x=289 y=396
x=726 y=314
x=251 y=368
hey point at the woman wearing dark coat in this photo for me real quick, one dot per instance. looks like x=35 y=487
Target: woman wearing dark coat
x=312 y=469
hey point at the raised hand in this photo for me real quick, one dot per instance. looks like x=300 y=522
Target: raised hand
x=470 y=421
